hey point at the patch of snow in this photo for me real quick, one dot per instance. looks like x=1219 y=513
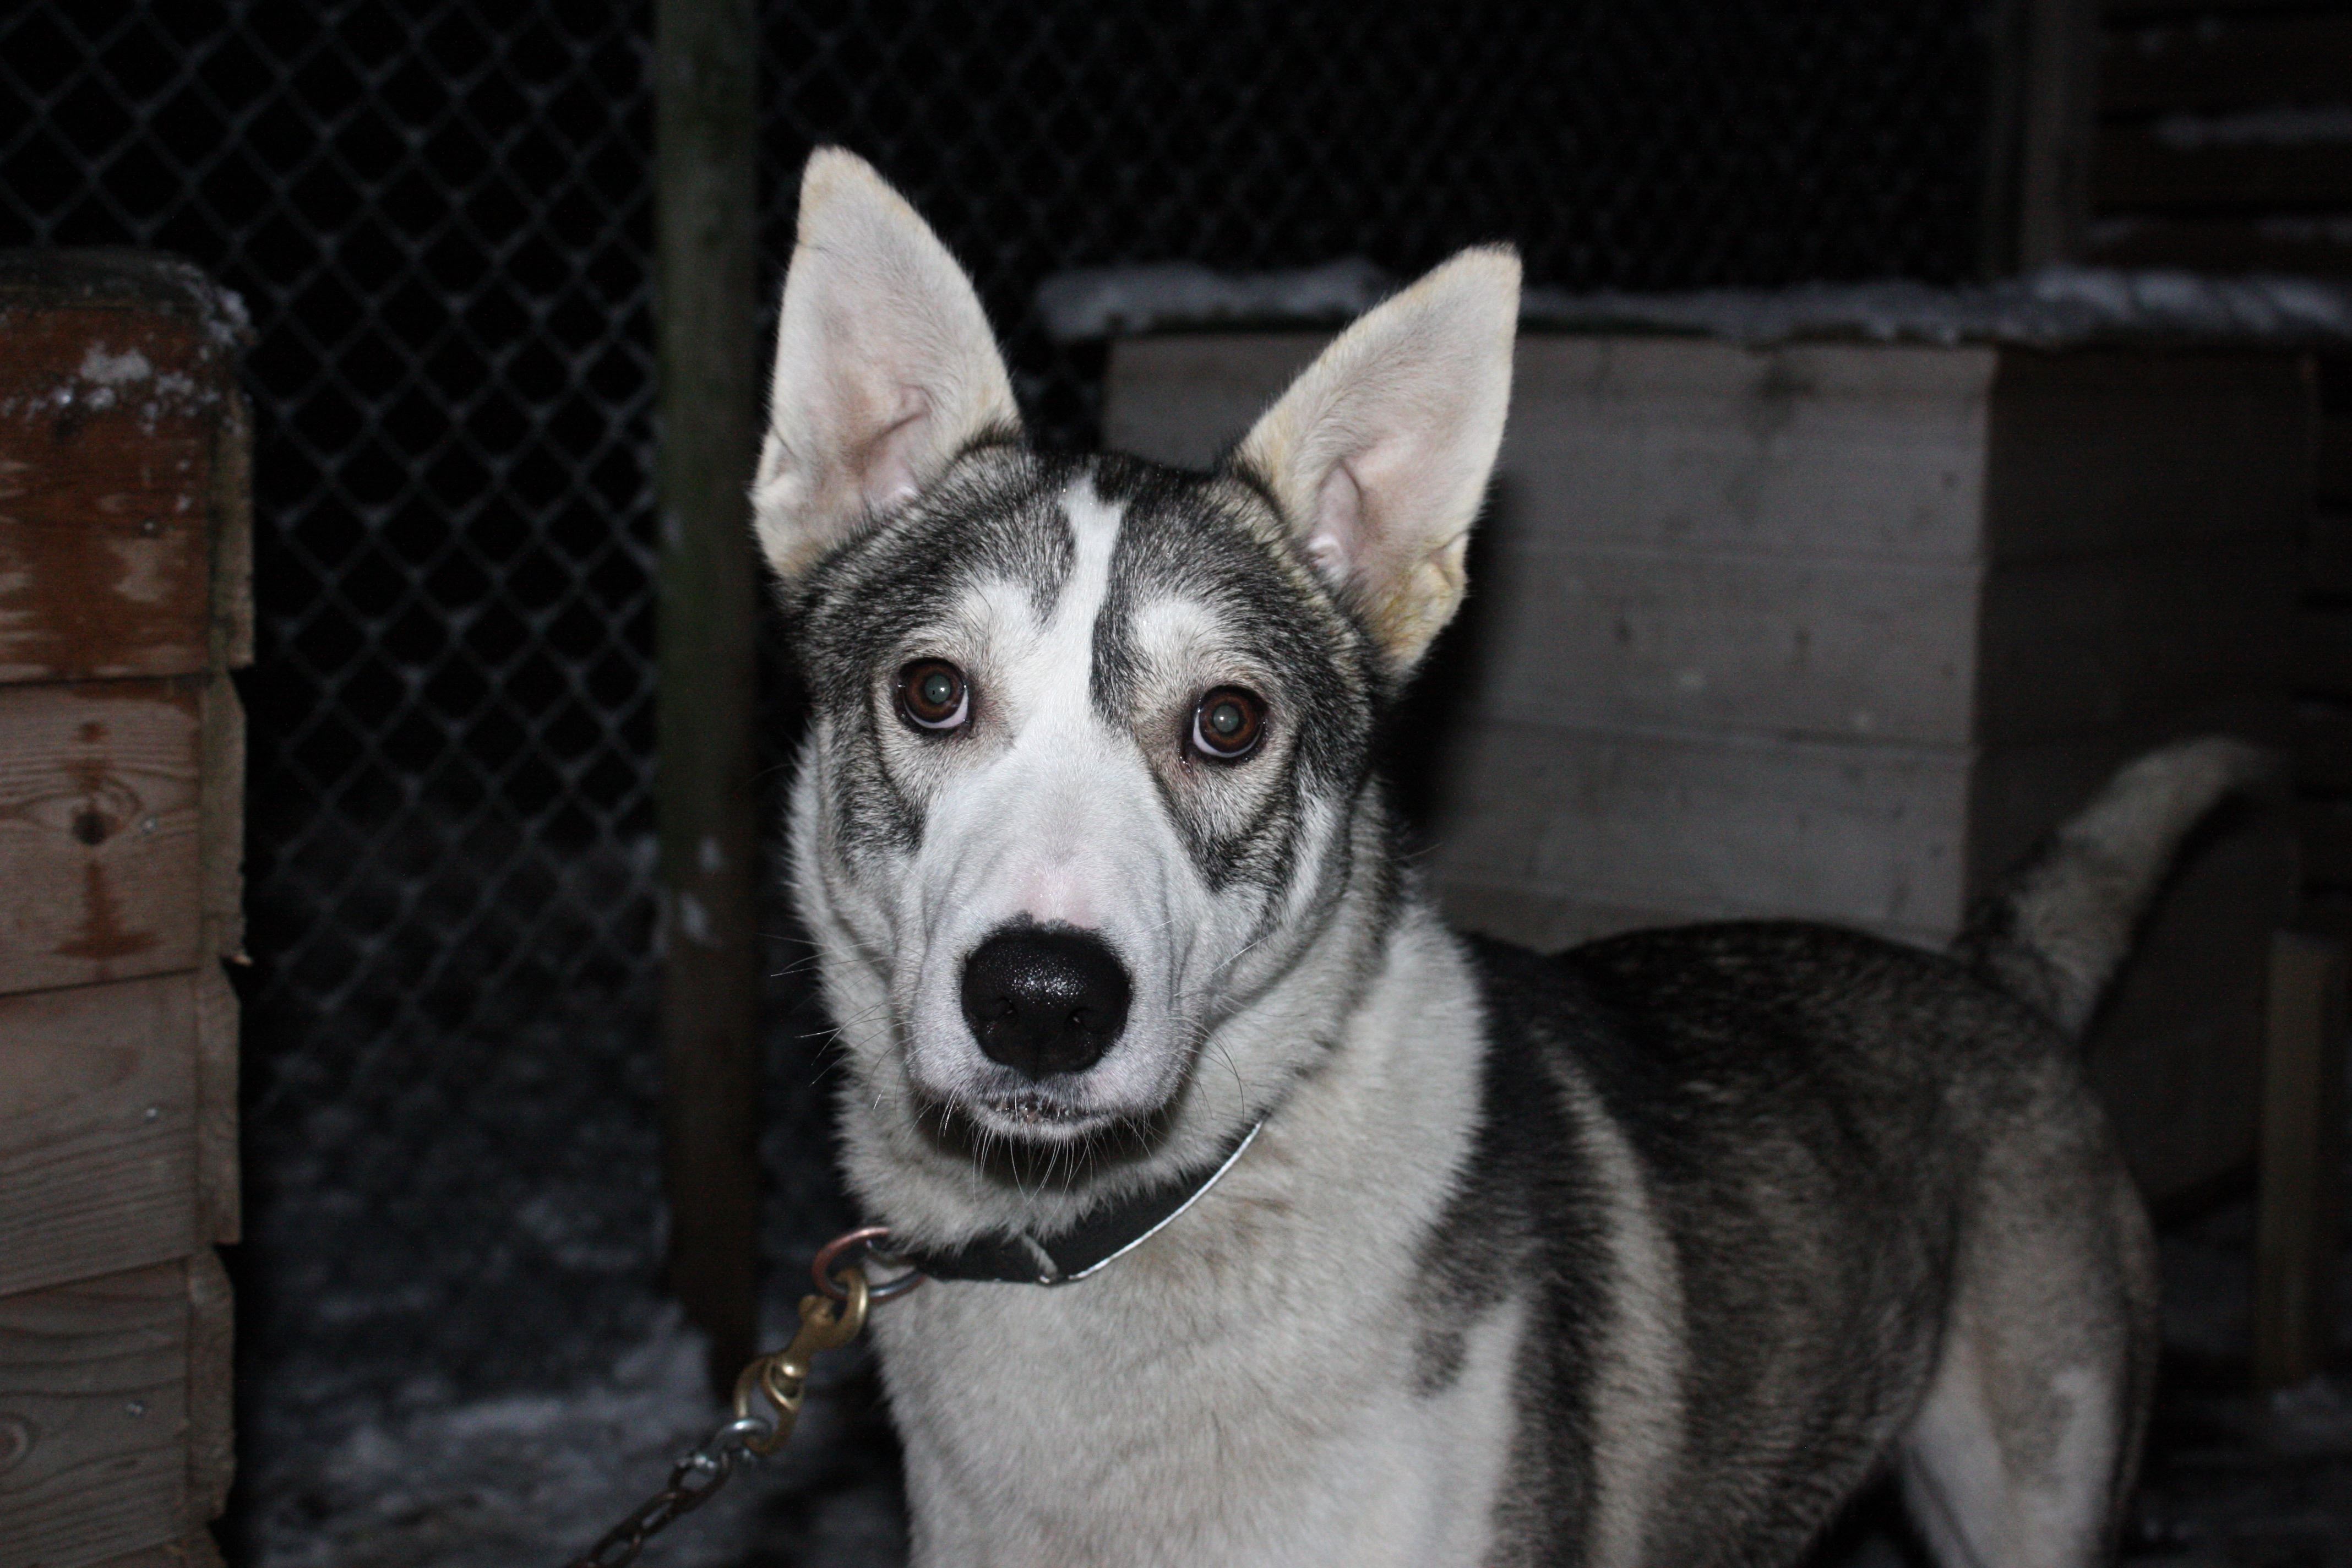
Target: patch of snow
x=2055 y=308
x=114 y=369
x=523 y=1479
x=1112 y=301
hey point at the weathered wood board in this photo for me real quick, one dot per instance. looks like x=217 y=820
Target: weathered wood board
x=94 y=1419
x=107 y=428
x=1704 y=824
x=97 y=1137
x=100 y=831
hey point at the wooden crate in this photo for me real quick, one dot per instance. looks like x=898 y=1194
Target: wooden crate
x=124 y=568
x=1837 y=630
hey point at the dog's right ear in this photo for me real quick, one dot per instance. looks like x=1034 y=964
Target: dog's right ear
x=885 y=365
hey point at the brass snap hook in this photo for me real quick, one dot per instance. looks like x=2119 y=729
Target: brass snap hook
x=782 y=1378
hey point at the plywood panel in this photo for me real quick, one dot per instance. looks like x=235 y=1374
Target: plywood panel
x=2259 y=60
x=106 y=425
x=1707 y=824
x=1766 y=643
x=2097 y=644
x=93 y=1419
x=1813 y=450
x=2327 y=555
x=2100 y=451
x=2136 y=167
x=99 y=831
x=2335 y=458
x=2323 y=745
x=97 y=1090
x=1654 y=442
x=1183 y=400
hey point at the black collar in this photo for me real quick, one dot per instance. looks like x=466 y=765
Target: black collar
x=1020 y=1259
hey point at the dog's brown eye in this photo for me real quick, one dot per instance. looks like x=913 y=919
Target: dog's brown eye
x=1227 y=724
x=934 y=695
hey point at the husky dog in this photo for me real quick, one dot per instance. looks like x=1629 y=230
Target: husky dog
x=1655 y=1251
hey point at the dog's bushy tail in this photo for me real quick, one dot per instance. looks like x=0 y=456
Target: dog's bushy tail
x=2058 y=927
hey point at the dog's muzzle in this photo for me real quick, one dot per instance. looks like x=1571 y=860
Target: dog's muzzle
x=1043 y=1000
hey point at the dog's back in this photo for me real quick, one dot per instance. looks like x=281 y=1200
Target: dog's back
x=1896 y=1218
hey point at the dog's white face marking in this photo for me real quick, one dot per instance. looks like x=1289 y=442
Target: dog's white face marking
x=1047 y=816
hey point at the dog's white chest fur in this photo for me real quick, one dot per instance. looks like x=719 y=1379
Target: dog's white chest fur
x=1241 y=1389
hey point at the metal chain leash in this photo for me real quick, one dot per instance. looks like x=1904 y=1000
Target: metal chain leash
x=829 y=1320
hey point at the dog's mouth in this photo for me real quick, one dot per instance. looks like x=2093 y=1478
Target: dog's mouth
x=1036 y=1111
x=1030 y=1135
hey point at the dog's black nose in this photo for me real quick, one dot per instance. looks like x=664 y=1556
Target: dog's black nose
x=1043 y=1000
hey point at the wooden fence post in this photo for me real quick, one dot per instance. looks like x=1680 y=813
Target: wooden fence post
x=2298 y=1224
x=705 y=145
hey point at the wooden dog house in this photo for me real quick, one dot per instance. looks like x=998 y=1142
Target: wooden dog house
x=124 y=565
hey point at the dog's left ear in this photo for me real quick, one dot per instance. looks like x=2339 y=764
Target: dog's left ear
x=1379 y=453
x=885 y=365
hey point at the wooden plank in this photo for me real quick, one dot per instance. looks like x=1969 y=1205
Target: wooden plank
x=2298 y=1231
x=2323 y=746
x=106 y=443
x=232 y=534
x=2101 y=451
x=219 y=1200
x=93 y=1418
x=2326 y=826
x=1867 y=649
x=2335 y=464
x=197 y=1551
x=222 y=813
x=705 y=211
x=1185 y=399
x=2084 y=643
x=100 y=831
x=1707 y=824
x=1860 y=649
x=1654 y=442
x=212 y=1444
x=2124 y=13
x=2226 y=62
x=2230 y=243
x=2328 y=556
x=2137 y=169
x=97 y=1130
x=2322 y=651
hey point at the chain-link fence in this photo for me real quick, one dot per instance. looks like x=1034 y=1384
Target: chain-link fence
x=437 y=213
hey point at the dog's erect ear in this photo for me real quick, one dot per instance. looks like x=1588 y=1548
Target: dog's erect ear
x=885 y=365
x=1379 y=453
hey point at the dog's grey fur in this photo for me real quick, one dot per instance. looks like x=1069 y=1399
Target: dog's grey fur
x=1652 y=1252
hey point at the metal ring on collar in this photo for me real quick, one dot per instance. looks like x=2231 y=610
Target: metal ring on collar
x=862 y=1239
